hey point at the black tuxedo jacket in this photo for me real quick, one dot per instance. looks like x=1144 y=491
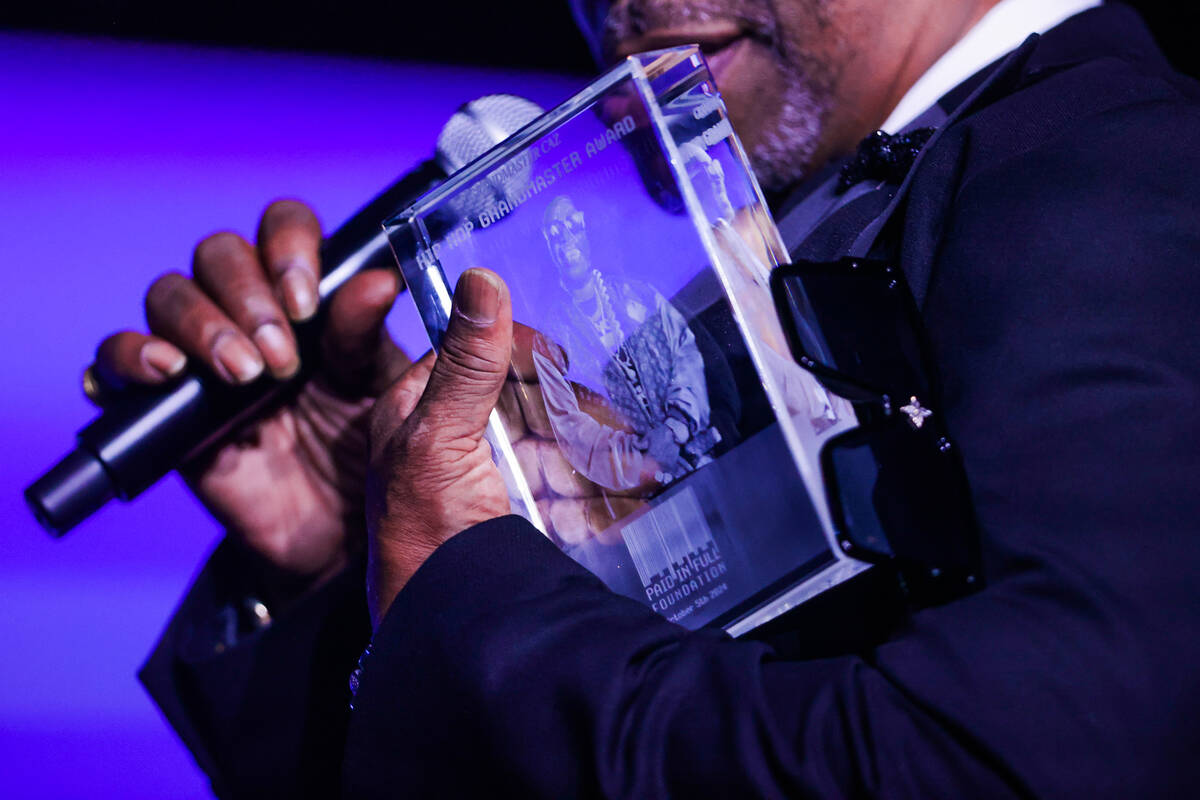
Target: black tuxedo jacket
x=1051 y=236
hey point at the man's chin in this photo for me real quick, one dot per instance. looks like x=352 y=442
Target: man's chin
x=785 y=150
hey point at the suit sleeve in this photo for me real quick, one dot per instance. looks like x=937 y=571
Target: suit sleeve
x=504 y=654
x=266 y=716
x=1063 y=314
x=1063 y=310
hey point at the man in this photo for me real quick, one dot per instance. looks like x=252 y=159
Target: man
x=1049 y=234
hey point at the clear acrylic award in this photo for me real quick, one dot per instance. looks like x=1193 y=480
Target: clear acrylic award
x=654 y=425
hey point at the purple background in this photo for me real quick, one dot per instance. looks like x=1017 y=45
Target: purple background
x=114 y=159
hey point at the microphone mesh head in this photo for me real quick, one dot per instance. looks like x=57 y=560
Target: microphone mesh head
x=480 y=125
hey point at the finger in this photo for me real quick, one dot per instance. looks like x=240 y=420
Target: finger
x=509 y=406
x=568 y=518
x=561 y=477
x=289 y=242
x=179 y=312
x=524 y=343
x=527 y=452
x=131 y=357
x=474 y=357
x=359 y=355
x=397 y=403
x=227 y=268
x=533 y=409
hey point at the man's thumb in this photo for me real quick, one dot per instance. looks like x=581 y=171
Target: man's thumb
x=473 y=360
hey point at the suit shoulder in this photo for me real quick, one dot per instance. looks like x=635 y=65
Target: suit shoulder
x=1110 y=108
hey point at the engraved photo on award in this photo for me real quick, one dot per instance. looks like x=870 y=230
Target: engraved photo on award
x=654 y=425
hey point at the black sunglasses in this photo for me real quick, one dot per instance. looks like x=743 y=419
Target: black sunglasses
x=896 y=486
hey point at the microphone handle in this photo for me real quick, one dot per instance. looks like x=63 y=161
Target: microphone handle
x=149 y=431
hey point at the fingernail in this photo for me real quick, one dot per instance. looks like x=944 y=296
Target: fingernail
x=240 y=361
x=299 y=297
x=384 y=293
x=277 y=349
x=163 y=359
x=394 y=287
x=478 y=296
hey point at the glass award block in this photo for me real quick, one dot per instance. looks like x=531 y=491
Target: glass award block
x=653 y=425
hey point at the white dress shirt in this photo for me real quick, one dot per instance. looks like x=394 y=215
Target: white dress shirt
x=1002 y=29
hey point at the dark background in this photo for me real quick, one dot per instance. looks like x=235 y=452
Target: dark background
x=522 y=33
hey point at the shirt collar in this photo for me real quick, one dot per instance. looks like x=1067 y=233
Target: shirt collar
x=1002 y=29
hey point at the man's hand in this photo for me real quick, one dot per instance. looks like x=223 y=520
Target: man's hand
x=290 y=486
x=662 y=446
x=431 y=474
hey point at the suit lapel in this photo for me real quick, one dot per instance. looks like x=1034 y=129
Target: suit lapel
x=854 y=226
x=999 y=80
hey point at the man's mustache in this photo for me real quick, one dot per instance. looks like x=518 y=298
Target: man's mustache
x=638 y=17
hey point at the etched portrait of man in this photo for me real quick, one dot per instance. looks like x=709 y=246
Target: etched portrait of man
x=620 y=372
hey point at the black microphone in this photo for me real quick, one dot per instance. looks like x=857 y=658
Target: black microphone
x=149 y=431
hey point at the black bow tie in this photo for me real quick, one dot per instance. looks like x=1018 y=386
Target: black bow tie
x=883 y=157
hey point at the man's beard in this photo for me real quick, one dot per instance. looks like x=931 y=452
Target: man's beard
x=639 y=16
x=787 y=144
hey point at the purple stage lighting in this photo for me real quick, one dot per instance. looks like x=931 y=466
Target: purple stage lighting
x=117 y=158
